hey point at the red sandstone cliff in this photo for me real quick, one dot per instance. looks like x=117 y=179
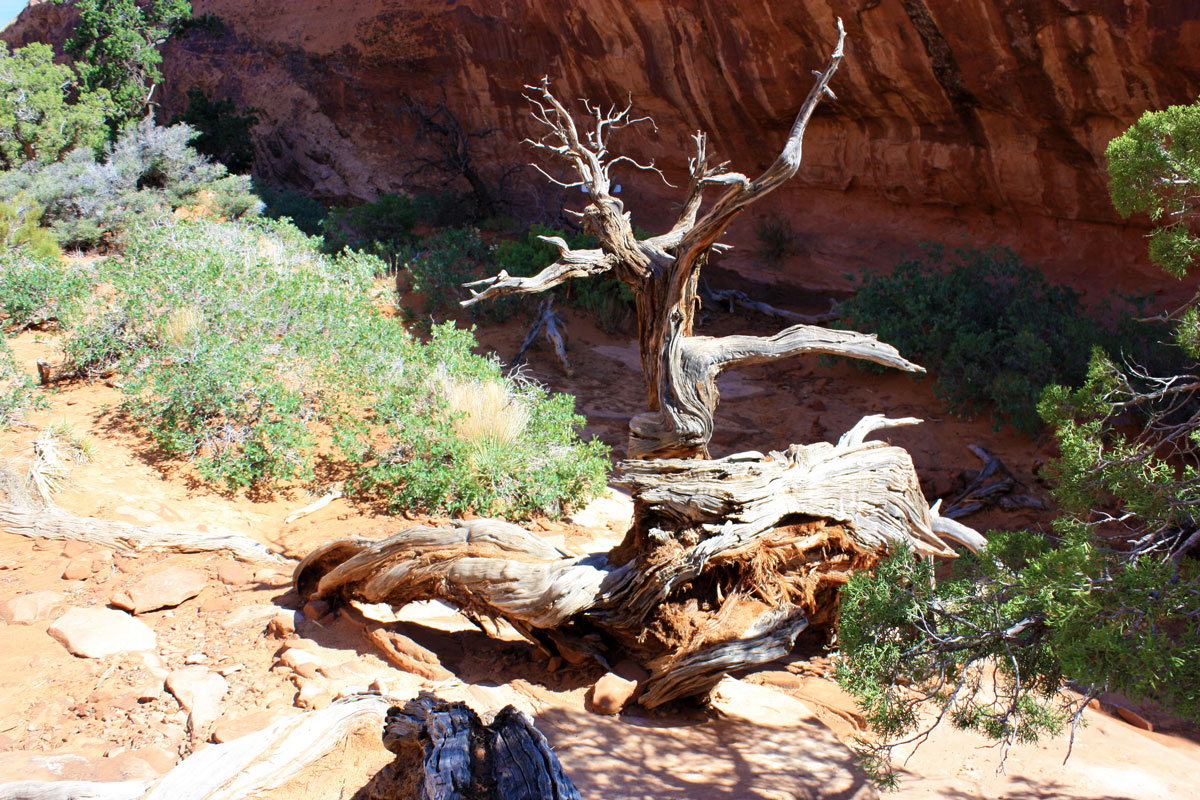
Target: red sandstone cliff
x=983 y=118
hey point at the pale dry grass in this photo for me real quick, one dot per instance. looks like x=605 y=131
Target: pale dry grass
x=181 y=326
x=487 y=412
x=54 y=451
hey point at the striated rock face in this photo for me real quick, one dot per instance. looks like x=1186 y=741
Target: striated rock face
x=979 y=118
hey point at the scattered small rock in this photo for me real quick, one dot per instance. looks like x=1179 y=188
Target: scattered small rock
x=159 y=758
x=30 y=608
x=73 y=549
x=99 y=632
x=164 y=589
x=312 y=696
x=316 y=609
x=255 y=615
x=282 y=625
x=199 y=690
x=230 y=727
x=301 y=662
x=610 y=694
x=78 y=568
x=631 y=670
x=231 y=573
x=1135 y=719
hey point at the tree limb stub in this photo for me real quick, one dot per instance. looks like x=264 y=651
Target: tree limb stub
x=570 y=264
x=687 y=397
x=461 y=758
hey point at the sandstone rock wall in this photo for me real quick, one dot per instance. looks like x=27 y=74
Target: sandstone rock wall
x=983 y=119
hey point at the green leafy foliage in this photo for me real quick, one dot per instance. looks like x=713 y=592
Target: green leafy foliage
x=16 y=388
x=991 y=641
x=388 y=223
x=1154 y=168
x=36 y=291
x=43 y=113
x=222 y=133
x=431 y=460
x=243 y=348
x=306 y=213
x=20 y=227
x=1111 y=603
x=115 y=47
x=988 y=327
x=144 y=175
x=438 y=265
x=776 y=239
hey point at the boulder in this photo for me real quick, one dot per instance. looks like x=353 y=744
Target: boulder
x=610 y=694
x=164 y=589
x=31 y=607
x=99 y=632
x=199 y=690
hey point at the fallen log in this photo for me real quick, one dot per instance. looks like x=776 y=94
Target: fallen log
x=726 y=562
x=54 y=523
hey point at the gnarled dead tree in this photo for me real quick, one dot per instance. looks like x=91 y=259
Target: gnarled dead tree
x=726 y=560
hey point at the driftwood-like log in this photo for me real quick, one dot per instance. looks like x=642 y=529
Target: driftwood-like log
x=74 y=790
x=726 y=562
x=736 y=297
x=254 y=764
x=54 y=523
x=461 y=758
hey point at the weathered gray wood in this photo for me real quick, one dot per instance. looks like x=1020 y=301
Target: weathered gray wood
x=461 y=758
x=268 y=758
x=73 y=790
x=767 y=638
x=736 y=537
x=552 y=324
x=663 y=271
x=54 y=523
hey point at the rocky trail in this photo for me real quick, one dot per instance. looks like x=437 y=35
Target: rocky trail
x=117 y=666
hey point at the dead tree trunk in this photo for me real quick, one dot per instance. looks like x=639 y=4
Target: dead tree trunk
x=727 y=560
x=663 y=272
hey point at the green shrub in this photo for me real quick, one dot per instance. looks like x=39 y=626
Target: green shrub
x=16 y=388
x=20 y=227
x=432 y=460
x=36 y=291
x=990 y=329
x=438 y=266
x=776 y=239
x=608 y=298
x=992 y=640
x=243 y=347
x=115 y=47
x=381 y=226
x=43 y=113
x=221 y=133
x=306 y=213
x=145 y=174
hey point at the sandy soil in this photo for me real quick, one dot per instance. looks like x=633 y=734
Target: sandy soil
x=111 y=718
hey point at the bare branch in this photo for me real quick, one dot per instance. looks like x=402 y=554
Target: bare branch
x=730 y=204
x=570 y=264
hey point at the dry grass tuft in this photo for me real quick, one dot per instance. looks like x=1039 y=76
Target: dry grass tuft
x=487 y=412
x=181 y=326
x=54 y=451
